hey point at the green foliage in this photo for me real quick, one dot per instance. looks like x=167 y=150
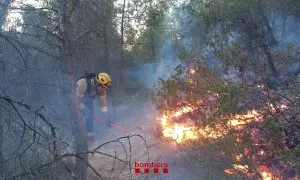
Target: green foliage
x=273 y=133
x=290 y=46
x=183 y=55
x=285 y=155
x=297 y=150
x=147 y=46
x=295 y=90
x=298 y=169
x=211 y=11
x=289 y=156
x=156 y=16
x=166 y=94
x=229 y=93
x=200 y=85
x=233 y=56
x=222 y=20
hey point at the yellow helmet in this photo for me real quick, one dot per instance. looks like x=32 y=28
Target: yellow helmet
x=104 y=79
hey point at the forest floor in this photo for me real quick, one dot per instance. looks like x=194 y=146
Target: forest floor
x=140 y=118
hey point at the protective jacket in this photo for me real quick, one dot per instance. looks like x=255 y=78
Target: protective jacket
x=87 y=89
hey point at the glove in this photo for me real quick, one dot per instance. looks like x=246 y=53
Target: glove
x=104 y=109
x=81 y=106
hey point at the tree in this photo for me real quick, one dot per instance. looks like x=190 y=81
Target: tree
x=80 y=142
x=246 y=18
x=3 y=11
x=149 y=43
x=63 y=36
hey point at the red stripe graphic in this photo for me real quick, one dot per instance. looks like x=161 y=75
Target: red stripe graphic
x=150 y=167
x=154 y=170
x=146 y=170
x=137 y=170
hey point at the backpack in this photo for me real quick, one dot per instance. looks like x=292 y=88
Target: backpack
x=91 y=84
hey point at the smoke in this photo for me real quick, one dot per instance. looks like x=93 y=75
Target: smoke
x=189 y=30
x=285 y=29
x=162 y=67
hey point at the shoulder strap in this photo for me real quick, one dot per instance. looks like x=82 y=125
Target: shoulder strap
x=90 y=75
x=90 y=80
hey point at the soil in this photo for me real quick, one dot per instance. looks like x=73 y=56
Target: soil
x=140 y=119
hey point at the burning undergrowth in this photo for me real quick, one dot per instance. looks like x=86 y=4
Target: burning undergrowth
x=245 y=123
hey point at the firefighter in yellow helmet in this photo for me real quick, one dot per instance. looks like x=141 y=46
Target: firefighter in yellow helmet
x=88 y=88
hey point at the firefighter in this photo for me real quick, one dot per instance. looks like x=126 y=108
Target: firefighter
x=88 y=88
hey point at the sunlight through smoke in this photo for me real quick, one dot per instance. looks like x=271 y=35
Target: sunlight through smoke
x=14 y=18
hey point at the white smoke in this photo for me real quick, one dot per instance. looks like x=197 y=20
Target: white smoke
x=150 y=73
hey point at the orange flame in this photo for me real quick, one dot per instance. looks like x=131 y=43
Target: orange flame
x=182 y=132
x=192 y=71
x=238 y=168
x=266 y=174
x=244 y=119
x=244 y=169
x=239 y=157
x=178 y=132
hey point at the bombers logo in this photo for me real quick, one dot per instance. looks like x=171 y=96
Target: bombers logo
x=151 y=167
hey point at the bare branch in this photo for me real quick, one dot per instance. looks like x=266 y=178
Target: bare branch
x=32 y=9
x=15 y=47
x=44 y=29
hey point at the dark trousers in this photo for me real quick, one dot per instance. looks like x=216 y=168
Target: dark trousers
x=88 y=114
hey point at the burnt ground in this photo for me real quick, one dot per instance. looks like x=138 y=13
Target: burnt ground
x=139 y=118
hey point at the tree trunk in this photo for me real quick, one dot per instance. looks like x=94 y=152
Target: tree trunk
x=153 y=46
x=119 y=76
x=106 y=45
x=3 y=10
x=283 y=27
x=122 y=40
x=269 y=34
x=113 y=114
x=1 y=146
x=268 y=39
x=78 y=130
x=270 y=59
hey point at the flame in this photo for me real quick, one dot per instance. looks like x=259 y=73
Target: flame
x=190 y=81
x=192 y=71
x=183 y=110
x=182 y=132
x=212 y=133
x=241 y=168
x=251 y=116
x=261 y=86
x=238 y=168
x=277 y=108
x=239 y=157
x=266 y=175
x=229 y=171
x=283 y=106
x=178 y=132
